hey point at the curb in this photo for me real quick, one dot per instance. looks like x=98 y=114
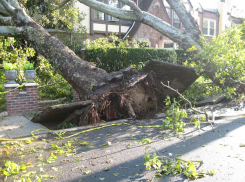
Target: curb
x=52 y=132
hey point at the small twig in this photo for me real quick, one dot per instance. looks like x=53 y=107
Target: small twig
x=206 y=114
x=237 y=81
x=49 y=84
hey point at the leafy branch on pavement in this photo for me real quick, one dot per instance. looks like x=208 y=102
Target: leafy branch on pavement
x=206 y=114
x=166 y=166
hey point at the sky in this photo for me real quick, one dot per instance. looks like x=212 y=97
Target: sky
x=240 y=4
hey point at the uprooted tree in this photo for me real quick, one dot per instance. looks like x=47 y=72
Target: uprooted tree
x=126 y=93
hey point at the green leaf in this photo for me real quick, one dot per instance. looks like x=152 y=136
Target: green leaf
x=28 y=141
x=77 y=160
x=87 y=172
x=55 y=168
x=23 y=167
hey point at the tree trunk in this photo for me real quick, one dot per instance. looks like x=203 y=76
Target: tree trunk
x=82 y=75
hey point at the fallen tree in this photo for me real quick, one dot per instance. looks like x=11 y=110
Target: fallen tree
x=128 y=93
x=122 y=94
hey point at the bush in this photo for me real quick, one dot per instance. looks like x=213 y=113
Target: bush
x=114 y=59
x=9 y=66
x=28 y=66
x=51 y=84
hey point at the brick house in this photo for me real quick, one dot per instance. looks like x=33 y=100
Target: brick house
x=141 y=31
x=212 y=20
x=208 y=21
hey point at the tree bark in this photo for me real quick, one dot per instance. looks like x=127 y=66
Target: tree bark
x=82 y=75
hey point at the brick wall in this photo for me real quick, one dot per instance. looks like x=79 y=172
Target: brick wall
x=146 y=32
x=21 y=102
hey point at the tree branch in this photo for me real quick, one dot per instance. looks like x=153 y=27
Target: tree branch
x=186 y=100
x=132 y=5
x=10 y=9
x=11 y=31
x=5 y=20
x=14 y=3
x=184 y=40
x=186 y=18
x=116 y=12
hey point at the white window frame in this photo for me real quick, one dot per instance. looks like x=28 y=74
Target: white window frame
x=209 y=20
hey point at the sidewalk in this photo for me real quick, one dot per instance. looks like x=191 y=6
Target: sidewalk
x=18 y=126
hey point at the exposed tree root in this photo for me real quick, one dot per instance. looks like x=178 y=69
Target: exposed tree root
x=130 y=93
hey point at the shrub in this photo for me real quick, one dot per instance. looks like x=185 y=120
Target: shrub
x=28 y=66
x=114 y=59
x=9 y=66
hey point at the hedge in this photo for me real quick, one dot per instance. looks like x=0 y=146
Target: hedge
x=115 y=59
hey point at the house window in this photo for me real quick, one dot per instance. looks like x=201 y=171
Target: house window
x=176 y=22
x=115 y=4
x=98 y=15
x=209 y=27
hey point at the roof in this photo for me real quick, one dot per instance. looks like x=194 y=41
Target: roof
x=208 y=6
x=144 y=6
x=212 y=6
x=237 y=13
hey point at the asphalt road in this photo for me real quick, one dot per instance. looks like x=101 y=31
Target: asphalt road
x=123 y=160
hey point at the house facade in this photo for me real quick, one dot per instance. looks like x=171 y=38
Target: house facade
x=212 y=20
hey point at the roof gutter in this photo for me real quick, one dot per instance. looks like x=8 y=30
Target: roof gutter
x=128 y=31
x=137 y=2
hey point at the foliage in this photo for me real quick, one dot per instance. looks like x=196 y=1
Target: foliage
x=12 y=52
x=114 y=59
x=66 y=125
x=146 y=141
x=28 y=66
x=242 y=28
x=225 y=55
x=167 y=166
x=52 y=158
x=114 y=54
x=174 y=116
x=9 y=66
x=73 y=39
x=114 y=42
x=84 y=143
x=11 y=168
x=2 y=96
x=152 y=161
x=57 y=86
x=67 y=18
x=199 y=89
